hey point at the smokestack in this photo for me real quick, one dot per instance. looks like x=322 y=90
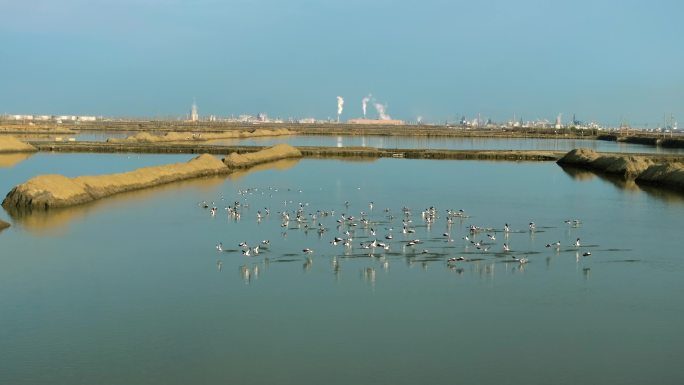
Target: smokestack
x=340 y=107
x=381 y=111
x=364 y=104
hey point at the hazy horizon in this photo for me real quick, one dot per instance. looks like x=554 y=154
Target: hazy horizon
x=605 y=61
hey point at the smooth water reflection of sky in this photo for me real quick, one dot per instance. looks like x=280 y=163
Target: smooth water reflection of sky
x=475 y=143
x=129 y=290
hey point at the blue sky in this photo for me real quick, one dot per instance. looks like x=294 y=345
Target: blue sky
x=603 y=60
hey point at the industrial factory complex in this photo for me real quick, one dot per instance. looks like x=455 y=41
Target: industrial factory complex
x=669 y=125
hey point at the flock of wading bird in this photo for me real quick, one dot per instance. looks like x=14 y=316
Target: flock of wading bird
x=375 y=233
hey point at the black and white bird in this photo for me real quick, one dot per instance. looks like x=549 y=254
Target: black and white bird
x=455 y=259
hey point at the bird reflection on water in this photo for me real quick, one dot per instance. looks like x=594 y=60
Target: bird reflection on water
x=339 y=225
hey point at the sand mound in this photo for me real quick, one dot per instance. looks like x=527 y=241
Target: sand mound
x=628 y=166
x=279 y=151
x=3 y=225
x=670 y=175
x=48 y=191
x=12 y=144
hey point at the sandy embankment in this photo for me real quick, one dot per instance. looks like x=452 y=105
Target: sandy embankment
x=145 y=137
x=10 y=144
x=641 y=168
x=3 y=225
x=50 y=191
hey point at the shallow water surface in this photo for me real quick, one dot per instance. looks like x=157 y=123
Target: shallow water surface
x=132 y=289
x=456 y=143
x=449 y=143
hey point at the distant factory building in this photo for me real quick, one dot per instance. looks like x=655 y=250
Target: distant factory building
x=20 y=117
x=57 y=118
x=377 y=122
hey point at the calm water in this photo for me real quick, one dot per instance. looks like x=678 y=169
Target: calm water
x=450 y=143
x=132 y=290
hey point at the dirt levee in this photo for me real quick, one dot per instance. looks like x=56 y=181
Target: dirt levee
x=10 y=144
x=279 y=151
x=669 y=175
x=48 y=191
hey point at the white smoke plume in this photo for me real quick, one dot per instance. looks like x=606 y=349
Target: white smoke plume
x=381 y=111
x=340 y=106
x=364 y=103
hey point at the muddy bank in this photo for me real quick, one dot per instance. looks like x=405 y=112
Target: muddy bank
x=277 y=152
x=145 y=137
x=643 y=169
x=3 y=225
x=668 y=175
x=671 y=142
x=10 y=144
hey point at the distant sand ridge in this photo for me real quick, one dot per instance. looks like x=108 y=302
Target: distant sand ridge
x=9 y=144
x=145 y=137
x=49 y=191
